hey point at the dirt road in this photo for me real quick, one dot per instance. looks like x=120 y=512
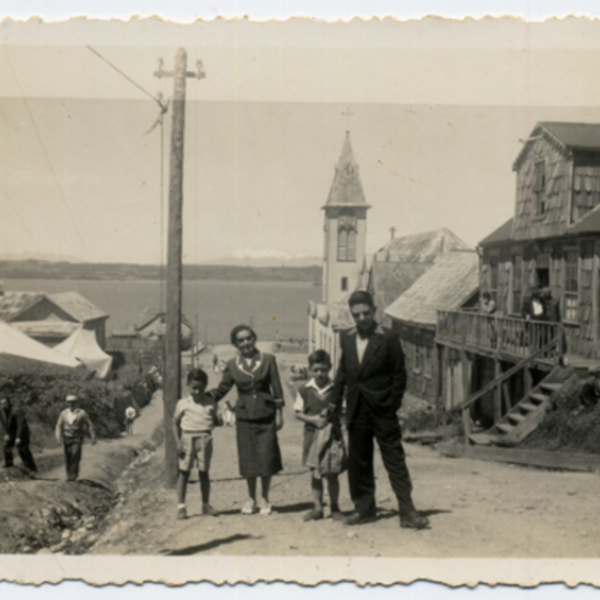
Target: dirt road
x=477 y=509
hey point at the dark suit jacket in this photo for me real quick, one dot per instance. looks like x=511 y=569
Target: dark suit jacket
x=259 y=391
x=380 y=379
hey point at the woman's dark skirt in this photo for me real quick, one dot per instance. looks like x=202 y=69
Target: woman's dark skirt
x=258 y=449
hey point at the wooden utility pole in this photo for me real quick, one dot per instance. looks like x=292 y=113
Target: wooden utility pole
x=172 y=375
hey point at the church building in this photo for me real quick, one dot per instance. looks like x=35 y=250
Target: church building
x=345 y=235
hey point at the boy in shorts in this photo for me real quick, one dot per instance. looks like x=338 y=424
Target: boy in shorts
x=194 y=419
x=311 y=407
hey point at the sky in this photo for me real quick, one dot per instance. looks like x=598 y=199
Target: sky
x=437 y=112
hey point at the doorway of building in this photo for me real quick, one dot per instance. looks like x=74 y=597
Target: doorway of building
x=543 y=277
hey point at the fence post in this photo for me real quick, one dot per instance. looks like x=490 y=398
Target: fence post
x=466 y=417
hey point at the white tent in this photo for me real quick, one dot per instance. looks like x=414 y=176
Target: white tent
x=83 y=345
x=18 y=350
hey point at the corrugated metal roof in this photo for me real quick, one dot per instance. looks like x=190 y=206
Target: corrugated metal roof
x=14 y=303
x=502 y=234
x=346 y=189
x=77 y=306
x=447 y=285
x=420 y=247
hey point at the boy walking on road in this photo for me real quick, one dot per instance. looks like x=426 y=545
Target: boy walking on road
x=194 y=419
x=72 y=425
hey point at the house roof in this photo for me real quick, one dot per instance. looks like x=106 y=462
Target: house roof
x=419 y=247
x=13 y=304
x=346 y=189
x=447 y=285
x=150 y=314
x=589 y=223
x=572 y=136
x=58 y=329
x=502 y=234
x=80 y=308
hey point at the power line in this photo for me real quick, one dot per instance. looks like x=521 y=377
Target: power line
x=137 y=85
x=21 y=220
x=41 y=141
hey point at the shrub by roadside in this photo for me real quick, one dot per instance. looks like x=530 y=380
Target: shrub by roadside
x=42 y=392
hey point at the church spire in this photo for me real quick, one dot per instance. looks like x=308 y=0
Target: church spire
x=346 y=189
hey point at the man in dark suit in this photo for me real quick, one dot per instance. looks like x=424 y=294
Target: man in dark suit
x=372 y=374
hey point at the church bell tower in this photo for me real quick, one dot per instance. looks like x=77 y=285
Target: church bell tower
x=345 y=228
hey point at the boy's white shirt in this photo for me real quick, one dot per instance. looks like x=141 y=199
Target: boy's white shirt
x=299 y=402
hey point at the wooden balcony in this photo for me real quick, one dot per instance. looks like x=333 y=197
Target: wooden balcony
x=508 y=338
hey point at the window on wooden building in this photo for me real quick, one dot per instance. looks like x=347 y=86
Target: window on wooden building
x=571 y=286
x=344 y=284
x=539 y=188
x=517 y=282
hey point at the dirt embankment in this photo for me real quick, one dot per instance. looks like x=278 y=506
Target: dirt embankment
x=49 y=514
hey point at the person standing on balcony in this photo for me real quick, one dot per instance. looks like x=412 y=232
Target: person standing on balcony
x=488 y=306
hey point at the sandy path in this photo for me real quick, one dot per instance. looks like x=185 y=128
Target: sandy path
x=477 y=509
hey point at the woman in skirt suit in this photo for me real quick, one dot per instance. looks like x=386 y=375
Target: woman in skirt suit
x=258 y=412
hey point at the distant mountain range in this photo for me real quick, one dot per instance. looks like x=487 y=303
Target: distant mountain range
x=38 y=256
x=265 y=258
x=45 y=269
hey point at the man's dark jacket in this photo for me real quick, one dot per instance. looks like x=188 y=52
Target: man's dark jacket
x=14 y=424
x=380 y=378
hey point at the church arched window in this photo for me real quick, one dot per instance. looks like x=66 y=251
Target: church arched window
x=347 y=239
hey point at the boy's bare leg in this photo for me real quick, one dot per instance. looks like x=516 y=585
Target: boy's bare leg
x=182 y=480
x=316 y=485
x=207 y=509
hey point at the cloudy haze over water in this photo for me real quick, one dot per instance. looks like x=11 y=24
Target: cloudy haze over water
x=434 y=129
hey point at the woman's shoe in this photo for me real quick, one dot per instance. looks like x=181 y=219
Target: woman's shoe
x=249 y=508
x=266 y=508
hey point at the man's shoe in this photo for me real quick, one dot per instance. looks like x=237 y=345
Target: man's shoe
x=358 y=518
x=313 y=515
x=181 y=513
x=413 y=520
x=209 y=511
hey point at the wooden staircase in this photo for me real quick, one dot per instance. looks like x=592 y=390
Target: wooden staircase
x=528 y=413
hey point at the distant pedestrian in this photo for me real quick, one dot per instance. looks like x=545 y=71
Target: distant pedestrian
x=130 y=415
x=15 y=431
x=72 y=425
x=194 y=420
x=488 y=307
x=311 y=407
